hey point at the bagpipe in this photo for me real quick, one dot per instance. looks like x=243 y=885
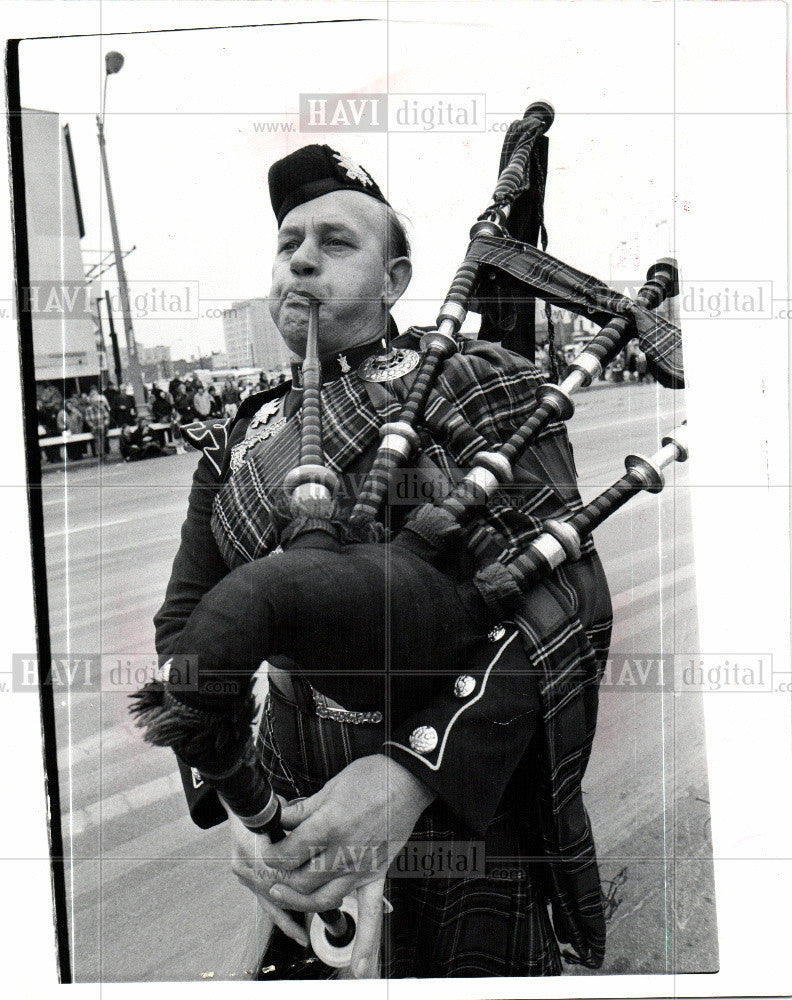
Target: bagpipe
x=319 y=602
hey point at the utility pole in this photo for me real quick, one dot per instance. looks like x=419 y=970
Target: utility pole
x=102 y=346
x=113 y=63
x=114 y=343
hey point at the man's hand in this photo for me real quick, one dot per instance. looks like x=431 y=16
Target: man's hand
x=252 y=871
x=345 y=837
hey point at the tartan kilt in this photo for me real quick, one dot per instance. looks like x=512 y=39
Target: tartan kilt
x=493 y=924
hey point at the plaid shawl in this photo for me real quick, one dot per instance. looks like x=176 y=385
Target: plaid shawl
x=565 y=626
x=565 y=286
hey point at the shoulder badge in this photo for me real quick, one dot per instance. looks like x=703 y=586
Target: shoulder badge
x=397 y=362
x=210 y=437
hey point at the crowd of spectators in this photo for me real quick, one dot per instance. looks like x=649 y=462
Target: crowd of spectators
x=188 y=399
x=628 y=366
x=80 y=413
x=95 y=413
x=193 y=400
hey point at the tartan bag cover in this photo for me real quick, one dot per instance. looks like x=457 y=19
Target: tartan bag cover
x=581 y=293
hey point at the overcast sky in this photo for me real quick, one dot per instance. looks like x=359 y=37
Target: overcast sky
x=188 y=160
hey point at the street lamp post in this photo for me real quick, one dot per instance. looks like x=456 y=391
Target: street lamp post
x=113 y=63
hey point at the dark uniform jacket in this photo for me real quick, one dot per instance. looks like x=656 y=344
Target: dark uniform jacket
x=463 y=736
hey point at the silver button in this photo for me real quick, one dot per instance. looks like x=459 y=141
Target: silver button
x=423 y=739
x=497 y=633
x=464 y=685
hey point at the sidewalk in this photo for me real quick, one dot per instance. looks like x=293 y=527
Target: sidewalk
x=89 y=461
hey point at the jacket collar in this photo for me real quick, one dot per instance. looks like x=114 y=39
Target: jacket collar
x=340 y=363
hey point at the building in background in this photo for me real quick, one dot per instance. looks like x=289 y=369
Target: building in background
x=155 y=362
x=65 y=345
x=251 y=338
x=159 y=354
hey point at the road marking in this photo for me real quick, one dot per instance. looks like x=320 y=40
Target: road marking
x=621 y=601
x=100 y=525
x=167 y=846
x=109 y=739
x=121 y=804
x=617 y=420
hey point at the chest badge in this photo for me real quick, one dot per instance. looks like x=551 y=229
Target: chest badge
x=261 y=427
x=387 y=367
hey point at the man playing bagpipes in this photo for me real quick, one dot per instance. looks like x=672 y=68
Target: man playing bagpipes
x=397 y=713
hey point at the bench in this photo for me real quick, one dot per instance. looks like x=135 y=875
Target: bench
x=62 y=440
x=163 y=431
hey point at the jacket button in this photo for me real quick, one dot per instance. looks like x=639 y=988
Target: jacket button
x=497 y=633
x=464 y=685
x=423 y=739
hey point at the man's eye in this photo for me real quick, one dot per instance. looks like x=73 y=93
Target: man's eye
x=336 y=241
x=288 y=245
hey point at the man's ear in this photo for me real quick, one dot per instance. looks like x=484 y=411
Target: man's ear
x=398 y=272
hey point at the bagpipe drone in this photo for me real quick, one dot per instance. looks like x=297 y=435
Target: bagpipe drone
x=309 y=601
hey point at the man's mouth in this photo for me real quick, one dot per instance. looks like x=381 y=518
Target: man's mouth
x=299 y=298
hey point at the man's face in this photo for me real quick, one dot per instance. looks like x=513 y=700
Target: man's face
x=332 y=249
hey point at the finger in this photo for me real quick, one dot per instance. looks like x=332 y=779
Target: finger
x=287 y=924
x=309 y=878
x=327 y=898
x=302 y=844
x=239 y=861
x=250 y=881
x=278 y=916
x=243 y=869
x=368 y=934
x=295 y=812
x=259 y=879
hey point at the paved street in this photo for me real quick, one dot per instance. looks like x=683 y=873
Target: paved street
x=152 y=897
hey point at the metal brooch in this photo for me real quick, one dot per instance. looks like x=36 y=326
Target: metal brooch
x=390 y=366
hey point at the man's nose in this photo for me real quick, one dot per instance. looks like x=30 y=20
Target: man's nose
x=305 y=258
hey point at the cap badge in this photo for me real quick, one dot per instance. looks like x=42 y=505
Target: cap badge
x=353 y=170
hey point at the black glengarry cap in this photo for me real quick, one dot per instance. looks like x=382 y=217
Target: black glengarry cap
x=312 y=171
